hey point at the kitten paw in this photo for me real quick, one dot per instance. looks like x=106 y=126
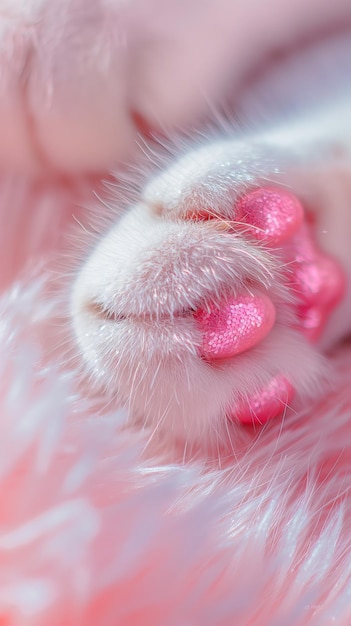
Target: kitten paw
x=202 y=305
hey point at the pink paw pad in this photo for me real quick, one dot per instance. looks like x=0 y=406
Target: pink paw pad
x=272 y=215
x=236 y=326
x=267 y=404
x=317 y=280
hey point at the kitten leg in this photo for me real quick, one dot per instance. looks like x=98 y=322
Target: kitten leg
x=76 y=75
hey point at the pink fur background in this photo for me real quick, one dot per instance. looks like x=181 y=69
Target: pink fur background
x=95 y=528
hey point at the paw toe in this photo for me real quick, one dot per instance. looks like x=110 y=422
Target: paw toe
x=236 y=326
x=272 y=215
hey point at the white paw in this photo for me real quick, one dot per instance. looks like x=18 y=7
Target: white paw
x=196 y=307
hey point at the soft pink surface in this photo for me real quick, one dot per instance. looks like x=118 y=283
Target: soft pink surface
x=93 y=530
x=77 y=74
